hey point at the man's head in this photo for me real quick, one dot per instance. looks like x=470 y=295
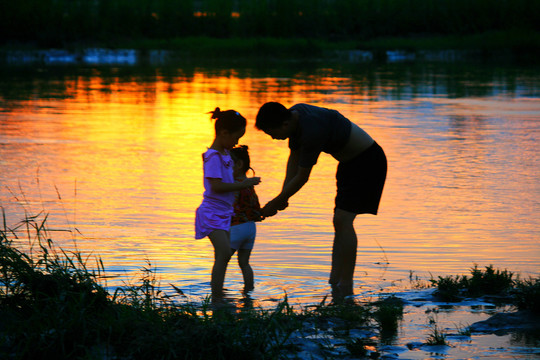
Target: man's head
x=273 y=118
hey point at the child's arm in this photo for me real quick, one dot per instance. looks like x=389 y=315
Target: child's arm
x=219 y=186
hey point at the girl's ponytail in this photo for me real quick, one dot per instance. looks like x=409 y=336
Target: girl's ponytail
x=215 y=113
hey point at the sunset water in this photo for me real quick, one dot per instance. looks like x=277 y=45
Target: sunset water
x=113 y=154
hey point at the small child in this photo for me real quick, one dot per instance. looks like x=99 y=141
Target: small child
x=247 y=211
x=213 y=216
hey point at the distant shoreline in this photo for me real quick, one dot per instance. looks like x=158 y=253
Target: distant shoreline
x=505 y=45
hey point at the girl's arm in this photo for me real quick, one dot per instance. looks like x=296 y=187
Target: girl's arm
x=219 y=186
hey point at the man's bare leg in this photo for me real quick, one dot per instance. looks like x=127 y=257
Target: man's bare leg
x=344 y=252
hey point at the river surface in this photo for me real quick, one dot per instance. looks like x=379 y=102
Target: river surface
x=113 y=154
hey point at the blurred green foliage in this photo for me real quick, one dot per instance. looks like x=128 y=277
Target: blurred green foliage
x=59 y=23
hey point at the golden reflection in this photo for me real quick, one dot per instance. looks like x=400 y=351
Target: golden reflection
x=133 y=149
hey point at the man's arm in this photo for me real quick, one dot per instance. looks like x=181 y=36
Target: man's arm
x=295 y=179
x=294 y=185
x=292 y=166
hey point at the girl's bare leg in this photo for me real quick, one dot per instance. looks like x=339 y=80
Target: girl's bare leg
x=247 y=271
x=222 y=255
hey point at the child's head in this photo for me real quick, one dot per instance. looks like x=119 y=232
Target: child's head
x=271 y=115
x=229 y=120
x=230 y=126
x=240 y=155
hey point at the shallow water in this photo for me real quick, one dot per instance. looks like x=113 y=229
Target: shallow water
x=114 y=154
x=422 y=315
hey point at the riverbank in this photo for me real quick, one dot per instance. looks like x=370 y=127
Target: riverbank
x=492 y=41
x=494 y=46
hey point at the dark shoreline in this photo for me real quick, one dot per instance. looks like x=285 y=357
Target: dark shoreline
x=132 y=57
x=492 y=46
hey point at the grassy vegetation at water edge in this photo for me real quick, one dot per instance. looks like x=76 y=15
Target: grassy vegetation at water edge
x=525 y=294
x=55 y=304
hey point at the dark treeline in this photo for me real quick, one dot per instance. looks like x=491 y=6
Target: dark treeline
x=64 y=22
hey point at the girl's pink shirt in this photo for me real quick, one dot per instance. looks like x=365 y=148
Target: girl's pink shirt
x=218 y=166
x=216 y=209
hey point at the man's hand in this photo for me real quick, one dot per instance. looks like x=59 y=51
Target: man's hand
x=266 y=211
x=273 y=206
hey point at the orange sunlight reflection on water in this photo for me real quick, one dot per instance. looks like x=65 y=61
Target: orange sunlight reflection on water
x=125 y=157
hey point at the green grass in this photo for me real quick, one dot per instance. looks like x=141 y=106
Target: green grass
x=436 y=335
x=497 y=283
x=527 y=295
x=463 y=330
x=55 y=304
x=488 y=282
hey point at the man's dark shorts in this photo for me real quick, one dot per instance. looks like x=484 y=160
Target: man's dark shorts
x=360 y=181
